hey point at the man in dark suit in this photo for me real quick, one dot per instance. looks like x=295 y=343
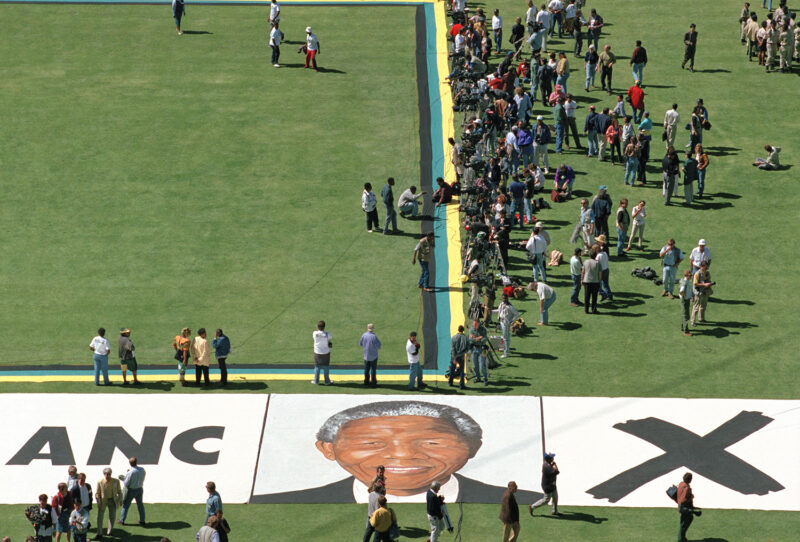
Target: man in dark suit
x=509 y=514
x=417 y=442
x=435 y=514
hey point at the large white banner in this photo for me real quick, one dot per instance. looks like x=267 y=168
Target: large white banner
x=325 y=448
x=627 y=451
x=182 y=441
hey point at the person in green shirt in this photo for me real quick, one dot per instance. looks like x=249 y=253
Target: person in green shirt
x=459 y=346
x=478 y=339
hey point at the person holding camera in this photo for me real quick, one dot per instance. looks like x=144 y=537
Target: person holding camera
x=45 y=526
x=322 y=353
x=702 y=290
x=414 y=368
x=686 y=506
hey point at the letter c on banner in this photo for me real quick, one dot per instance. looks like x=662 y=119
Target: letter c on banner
x=182 y=446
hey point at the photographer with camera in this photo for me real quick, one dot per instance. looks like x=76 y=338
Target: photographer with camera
x=702 y=290
x=44 y=518
x=686 y=506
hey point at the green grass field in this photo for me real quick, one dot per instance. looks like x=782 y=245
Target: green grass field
x=157 y=181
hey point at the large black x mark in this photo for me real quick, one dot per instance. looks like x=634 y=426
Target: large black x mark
x=704 y=455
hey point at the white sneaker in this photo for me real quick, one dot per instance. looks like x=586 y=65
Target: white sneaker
x=276 y=65
x=504 y=356
x=314 y=382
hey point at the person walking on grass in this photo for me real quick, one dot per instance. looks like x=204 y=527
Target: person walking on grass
x=414 y=368
x=213 y=502
x=274 y=14
x=182 y=344
x=371 y=344
x=322 y=353
x=202 y=357
x=312 y=48
x=638 y=61
x=178 y=11
x=689 y=176
x=275 y=38
x=423 y=252
x=369 y=204
x=686 y=294
x=100 y=347
x=605 y=66
x=127 y=356
x=509 y=514
x=690 y=43
x=222 y=348
x=702 y=290
x=109 y=497
x=133 y=481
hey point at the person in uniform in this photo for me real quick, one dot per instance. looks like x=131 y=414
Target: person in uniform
x=744 y=17
x=772 y=45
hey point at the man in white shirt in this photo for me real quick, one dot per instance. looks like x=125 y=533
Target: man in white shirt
x=547 y=296
x=544 y=18
x=275 y=37
x=537 y=248
x=459 y=5
x=497 y=29
x=274 y=13
x=322 y=353
x=133 y=481
x=699 y=255
x=408 y=203
x=507 y=315
x=414 y=368
x=530 y=16
x=602 y=261
x=570 y=105
x=312 y=48
x=671 y=121
x=512 y=149
x=460 y=42
x=101 y=347
x=556 y=7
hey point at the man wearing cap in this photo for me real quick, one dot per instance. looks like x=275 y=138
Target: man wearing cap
x=671 y=257
x=549 y=473
x=312 y=48
x=371 y=344
x=422 y=252
x=507 y=315
x=127 y=356
x=699 y=254
x=690 y=41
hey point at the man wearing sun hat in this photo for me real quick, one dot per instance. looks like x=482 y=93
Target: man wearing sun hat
x=127 y=356
x=699 y=255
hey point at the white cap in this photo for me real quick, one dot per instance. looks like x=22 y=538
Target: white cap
x=540 y=117
x=591 y=46
x=702 y=242
x=308 y=30
x=539 y=224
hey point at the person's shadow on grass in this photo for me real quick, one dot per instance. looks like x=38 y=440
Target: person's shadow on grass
x=196 y=32
x=578 y=516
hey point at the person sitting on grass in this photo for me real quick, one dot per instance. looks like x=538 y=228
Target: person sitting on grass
x=771 y=161
x=565 y=177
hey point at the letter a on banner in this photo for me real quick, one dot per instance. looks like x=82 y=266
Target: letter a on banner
x=58 y=441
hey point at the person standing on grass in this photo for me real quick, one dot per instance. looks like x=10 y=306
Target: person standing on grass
x=509 y=514
x=44 y=530
x=62 y=505
x=636 y=97
x=671 y=257
x=388 y=201
x=686 y=503
x=208 y=532
x=371 y=344
x=570 y=105
x=602 y=121
x=178 y=11
x=434 y=503
x=702 y=290
x=222 y=348
x=670 y=168
x=689 y=176
x=133 y=481
x=575 y=269
x=213 y=502
x=671 y=121
x=414 y=368
x=109 y=497
x=312 y=48
x=639 y=216
x=686 y=294
x=478 y=340
x=702 y=166
x=369 y=203
x=423 y=252
x=322 y=353
x=507 y=315
x=623 y=220
x=101 y=347
x=376 y=490
x=601 y=209
x=690 y=42
x=274 y=13
x=590 y=67
x=275 y=37
x=602 y=260
x=182 y=345
x=638 y=61
x=590 y=278
x=127 y=356
x=459 y=346
x=79 y=521
x=382 y=520
x=202 y=357
x=547 y=296
x=497 y=30
x=605 y=66
x=699 y=254
x=549 y=474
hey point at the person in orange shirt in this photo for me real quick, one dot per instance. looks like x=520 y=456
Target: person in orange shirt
x=686 y=506
x=181 y=345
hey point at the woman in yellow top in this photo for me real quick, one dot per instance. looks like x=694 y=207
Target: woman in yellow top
x=181 y=346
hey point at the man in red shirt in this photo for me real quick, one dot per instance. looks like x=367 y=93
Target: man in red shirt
x=686 y=506
x=455 y=29
x=636 y=97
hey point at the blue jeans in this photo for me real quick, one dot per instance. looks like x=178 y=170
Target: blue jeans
x=638 y=69
x=129 y=497
x=370 y=370
x=178 y=19
x=505 y=330
x=498 y=37
x=326 y=371
x=688 y=192
x=528 y=208
x=701 y=181
x=764 y=4
x=424 y=276
x=391 y=216
x=562 y=80
x=101 y=365
x=590 y=73
x=591 y=136
x=414 y=373
x=668 y=275
x=527 y=155
x=559 y=136
x=622 y=238
x=576 y=289
x=605 y=289
x=411 y=208
x=517 y=207
x=514 y=160
x=538 y=267
x=631 y=169
x=544 y=315
x=638 y=115
x=479 y=363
